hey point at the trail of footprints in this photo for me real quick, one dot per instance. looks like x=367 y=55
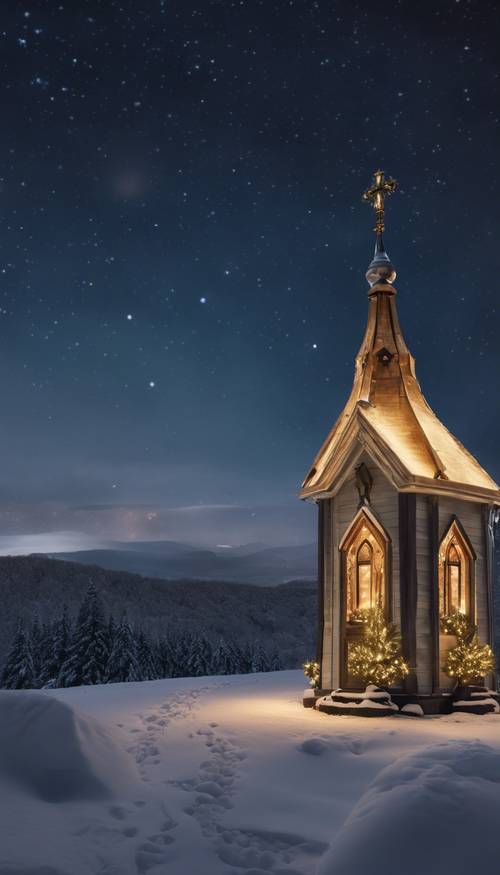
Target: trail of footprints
x=256 y=852
x=153 y=850
x=251 y=852
x=154 y=724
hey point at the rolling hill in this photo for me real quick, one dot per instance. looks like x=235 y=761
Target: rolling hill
x=284 y=615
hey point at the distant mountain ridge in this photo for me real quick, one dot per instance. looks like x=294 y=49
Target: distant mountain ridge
x=170 y=560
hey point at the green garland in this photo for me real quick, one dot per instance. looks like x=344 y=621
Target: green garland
x=311 y=671
x=377 y=659
x=469 y=660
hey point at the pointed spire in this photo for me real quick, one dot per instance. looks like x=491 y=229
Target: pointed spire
x=380 y=268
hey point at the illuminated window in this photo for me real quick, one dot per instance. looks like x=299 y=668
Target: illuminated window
x=364 y=576
x=454 y=596
x=364 y=551
x=455 y=560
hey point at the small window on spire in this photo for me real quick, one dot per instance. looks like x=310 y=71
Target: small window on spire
x=385 y=356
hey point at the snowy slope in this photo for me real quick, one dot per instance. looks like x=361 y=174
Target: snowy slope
x=231 y=776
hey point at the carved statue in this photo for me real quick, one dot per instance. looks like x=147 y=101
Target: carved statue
x=364 y=483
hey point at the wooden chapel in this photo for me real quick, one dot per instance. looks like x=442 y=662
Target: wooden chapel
x=405 y=511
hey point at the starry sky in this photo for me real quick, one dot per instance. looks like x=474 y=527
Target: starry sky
x=183 y=248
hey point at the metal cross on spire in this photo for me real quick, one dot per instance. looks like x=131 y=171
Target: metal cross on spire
x=376 y=195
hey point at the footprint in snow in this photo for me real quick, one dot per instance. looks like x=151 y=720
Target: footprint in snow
x=118 y=812
x=264 y=851
x=156 y=849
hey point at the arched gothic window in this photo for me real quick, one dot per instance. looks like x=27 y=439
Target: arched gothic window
x=454 y=591
x=455 y=564
x=364 y=576
x=364 y=548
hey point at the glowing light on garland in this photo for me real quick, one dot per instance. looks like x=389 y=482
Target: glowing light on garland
x=311 y=671
x=470 y=660
x=377 y=659
x=455 y=623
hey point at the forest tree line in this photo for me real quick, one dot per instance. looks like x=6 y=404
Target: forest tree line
x=95 y=649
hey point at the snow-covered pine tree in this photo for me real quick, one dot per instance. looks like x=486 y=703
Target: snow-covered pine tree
x=200 y=659
x=37 y=647
x=46 y=672
x=275 y=663
x=145 y=657
x=122 y=664
x=246 y=658
x=238 y=658
x=165 y=657
x=260 y=659
x=111 y=632
x=88 y=654
x=223 y=659
x=184 y=646
x=18 y=670
x=60 y=646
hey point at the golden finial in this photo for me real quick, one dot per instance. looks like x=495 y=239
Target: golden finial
x=376 y=196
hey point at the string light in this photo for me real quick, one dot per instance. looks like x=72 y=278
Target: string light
x=311 y=671
x=470 y=660
x=377 y=659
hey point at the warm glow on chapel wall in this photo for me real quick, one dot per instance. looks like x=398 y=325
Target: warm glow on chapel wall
x=455 y=562
x=364 y=563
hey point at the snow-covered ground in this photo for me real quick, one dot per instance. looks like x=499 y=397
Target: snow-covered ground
x=231 y=776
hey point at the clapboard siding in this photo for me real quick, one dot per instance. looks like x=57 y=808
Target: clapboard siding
x=339 y=513
x=423 y=626
x=326 y=661
x=335 y=561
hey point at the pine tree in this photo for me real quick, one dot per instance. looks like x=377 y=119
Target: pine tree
x=47 y=674
x=122 y=664
x=200 y=659
x=145 y=658
x=469 y=660
x=62 y=640
x=165 y=658
x=260 y=659
x=18 y=673
x=377 y=659
x=88 y=653
x=246 y=658
x=54 y=650
x=111 y=632
x=184 y=646
x=37 y=647
x=275 y=663
x=223 y=661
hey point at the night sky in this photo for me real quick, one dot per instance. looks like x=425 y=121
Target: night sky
x=183 y=248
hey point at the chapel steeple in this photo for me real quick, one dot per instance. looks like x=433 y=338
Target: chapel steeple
x=386 y=412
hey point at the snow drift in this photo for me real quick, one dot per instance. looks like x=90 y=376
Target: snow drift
x=52 y=752
x=432 y=811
